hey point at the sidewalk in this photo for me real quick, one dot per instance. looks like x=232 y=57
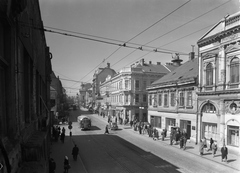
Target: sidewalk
x=59 y=150
x=191 y=147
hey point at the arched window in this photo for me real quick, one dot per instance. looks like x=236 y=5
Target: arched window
x=209 y=108
x=209 y=74
x=234 y=70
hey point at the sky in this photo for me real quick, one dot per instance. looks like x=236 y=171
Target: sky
x=96 y=29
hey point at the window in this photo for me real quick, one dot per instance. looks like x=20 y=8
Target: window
x=189 y=98
x=209 y=108
x=126 y=98
x=209 y=74
x=137 y=84
x=126 y=84
x=159 y=99
x=144 y=97
x=155 y=100
x=137 y=98
x=157 y=121
x=172 y=99
x=144 y=85
x=181 y=99
x=165 y=99
x=150 y=99
x=234 y=70
x=120 y=85
x=209 y=130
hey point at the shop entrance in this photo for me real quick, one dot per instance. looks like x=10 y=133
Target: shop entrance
x=233 y=136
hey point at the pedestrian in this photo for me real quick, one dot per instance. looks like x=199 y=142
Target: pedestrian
x=214 y=148
x=171 y=137
x=163 y=134
x=140 y=129
x=224 y=151
x=211 y=142
x=62 y=137
x=106 y=130
x=201 y=147
x=131 y=123
x=155 y=134
x=75 y=151
x=66 y=164
x=63 y=130
x=52 y=165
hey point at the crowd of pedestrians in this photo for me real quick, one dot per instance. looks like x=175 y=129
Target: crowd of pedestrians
x=178 y=137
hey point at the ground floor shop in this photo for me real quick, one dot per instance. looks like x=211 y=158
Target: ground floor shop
x=220 y=120
x=163 y=120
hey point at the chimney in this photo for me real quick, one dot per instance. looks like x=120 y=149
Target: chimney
x=150 y=62
x=108 y=65
x=191 y=55
x=142 y=61
x=158 y=63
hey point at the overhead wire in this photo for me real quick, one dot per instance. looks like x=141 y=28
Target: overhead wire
x=182 y=26
x=140 y=34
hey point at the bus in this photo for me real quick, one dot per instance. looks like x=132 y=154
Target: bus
x=84 y=122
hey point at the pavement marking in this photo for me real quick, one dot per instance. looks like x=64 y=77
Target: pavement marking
x=1 y=166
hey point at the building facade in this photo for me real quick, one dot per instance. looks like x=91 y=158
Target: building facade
x=100 y=76
x=219 y=90
x=124 y=95
x=25 y=67
x=173 y=100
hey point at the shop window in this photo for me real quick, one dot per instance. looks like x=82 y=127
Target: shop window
x=233 y=136
x=234 y=70
x=157 y=121
x=209 y=130
x=209 y=74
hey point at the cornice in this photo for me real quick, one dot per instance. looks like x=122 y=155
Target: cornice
x=218 y=92
x=218 y=36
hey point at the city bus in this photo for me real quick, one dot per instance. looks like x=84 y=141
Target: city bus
x=84 y=122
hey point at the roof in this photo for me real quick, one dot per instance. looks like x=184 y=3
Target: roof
x=155 y=68
x=188 y=70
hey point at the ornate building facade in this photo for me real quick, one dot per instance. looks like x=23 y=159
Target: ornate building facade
x=219 y=83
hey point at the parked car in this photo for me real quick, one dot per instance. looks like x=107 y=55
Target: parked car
x=114 y=126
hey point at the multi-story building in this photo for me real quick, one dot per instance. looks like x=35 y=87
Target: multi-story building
x=25 y=68
x=219 y=78
x=173 y=99
x=100 y=76
x=85 y=94
x=124 y=94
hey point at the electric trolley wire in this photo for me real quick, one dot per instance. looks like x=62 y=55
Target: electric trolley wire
x=140 y=34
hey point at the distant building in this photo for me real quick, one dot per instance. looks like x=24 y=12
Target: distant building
x=85 y=94
x=124 y=95
x=99 y=77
